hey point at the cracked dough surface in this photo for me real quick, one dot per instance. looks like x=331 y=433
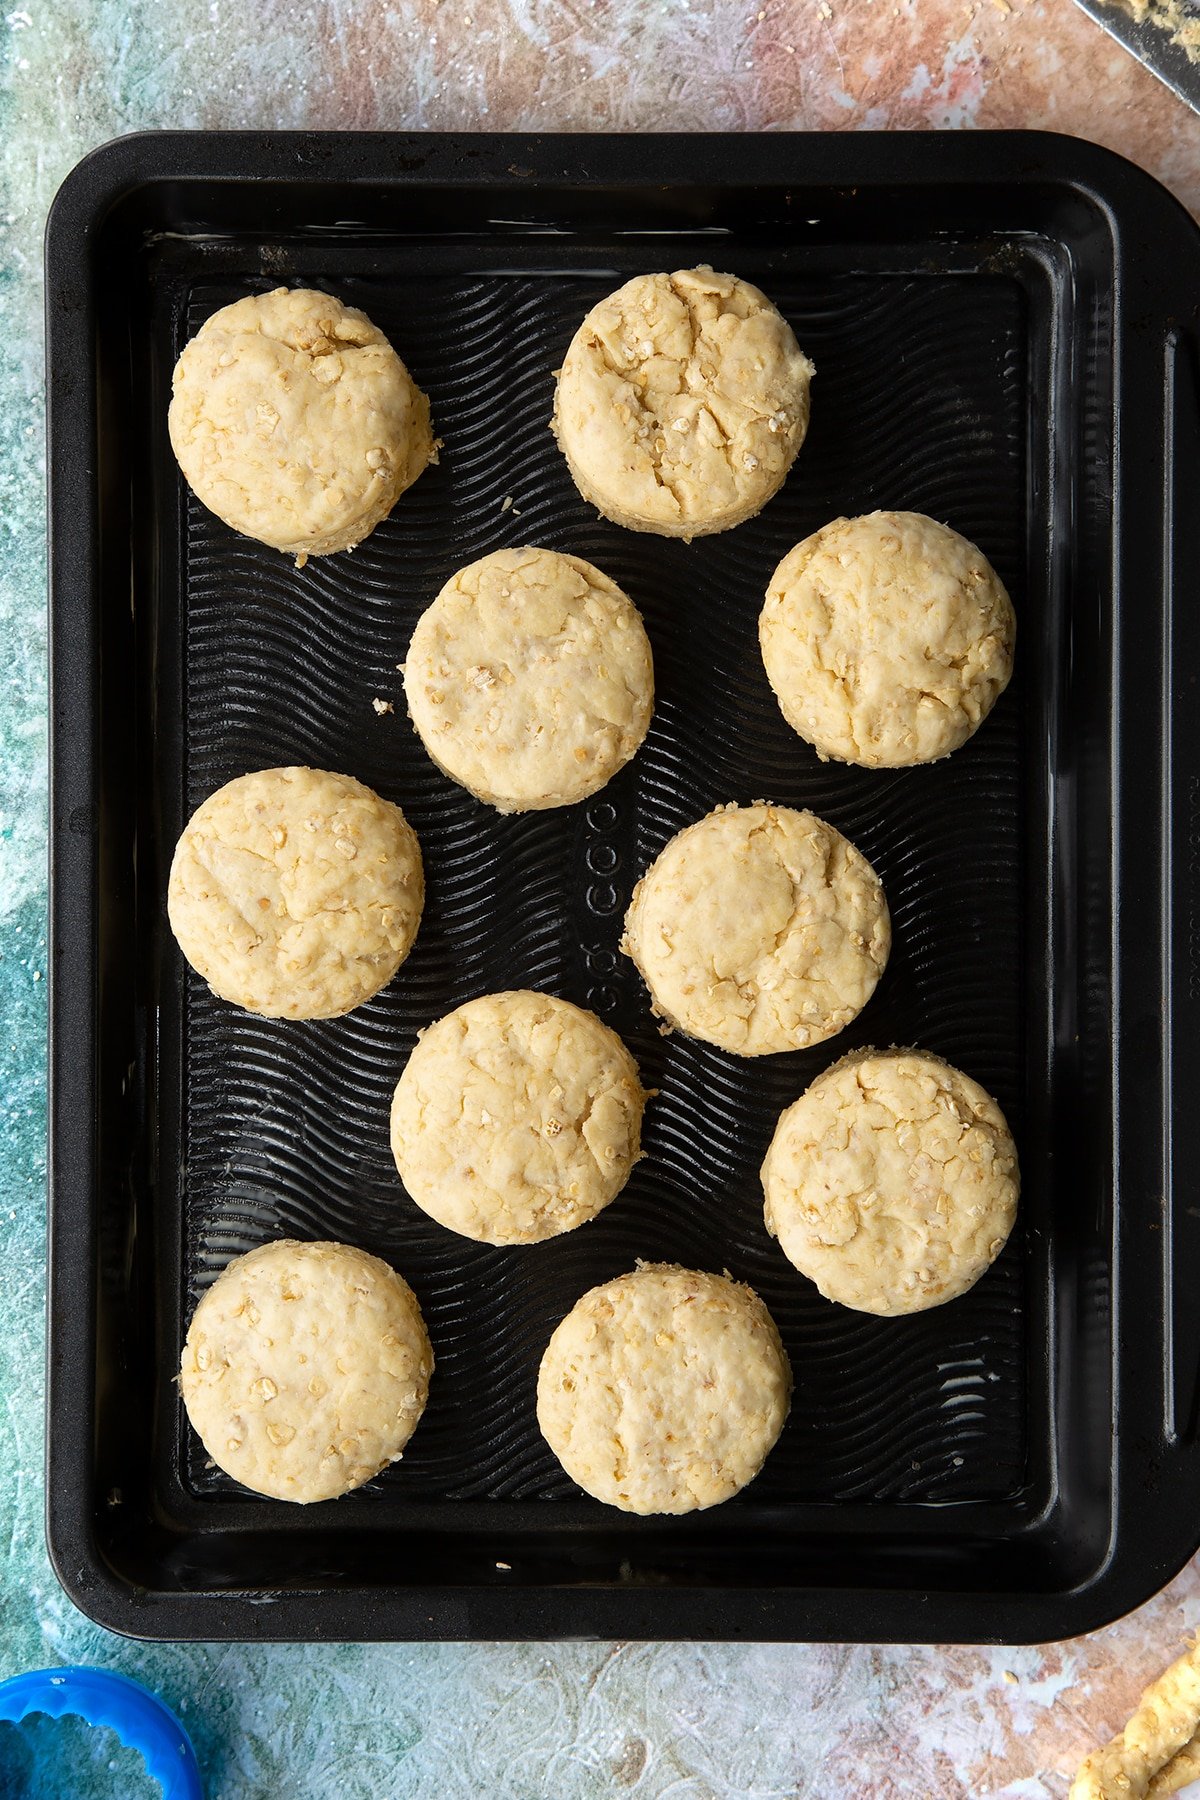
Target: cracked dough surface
x=306 y=1369
x=518 y=1116
x=530 y=679
x=294 y=420
x=296 y=893
x=887 y=639
x=759 y=929
x=664 y=1391
x=681 y=403
x=892 y=1182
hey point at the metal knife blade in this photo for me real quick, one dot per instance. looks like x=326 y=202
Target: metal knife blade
x=1151 y=41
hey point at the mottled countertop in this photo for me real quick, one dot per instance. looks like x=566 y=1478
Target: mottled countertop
x=691 y=1722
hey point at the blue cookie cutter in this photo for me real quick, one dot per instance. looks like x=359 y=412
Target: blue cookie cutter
x=140 y=1719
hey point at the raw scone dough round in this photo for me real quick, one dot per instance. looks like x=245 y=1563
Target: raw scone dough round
x=664 y=1391
x=296 y=893
x=306 y=1369
x=887 y=639
x=294 y=420
x=892 y=1182
x=759 y=929
x=518 y=1116
x=681 y=403
x=530 y=679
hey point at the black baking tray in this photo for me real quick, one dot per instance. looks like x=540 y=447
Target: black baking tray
x=1004 y=327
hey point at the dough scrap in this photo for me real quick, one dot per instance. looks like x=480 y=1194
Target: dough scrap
x=664 y=1391
x=887 y=639
x=1159 y=1750
x=306 y=1369
x=681 y=403
x=1182 y=1769
x=517 y=1117
x=296 y=893
x=891 y=1182
x=530 y=679
x=759 y=929
x=294 y=420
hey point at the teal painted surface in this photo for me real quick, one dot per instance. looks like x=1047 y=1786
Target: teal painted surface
x=446 y=1721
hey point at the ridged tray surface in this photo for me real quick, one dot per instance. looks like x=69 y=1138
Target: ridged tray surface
x=919 y=402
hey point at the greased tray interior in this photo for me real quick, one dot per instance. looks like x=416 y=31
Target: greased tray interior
x=926 y=1451
x=920 y=402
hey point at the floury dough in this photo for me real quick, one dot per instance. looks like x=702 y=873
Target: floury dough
x=887 y=639
x=296 y=892
x=681 y=403
x=1158 y=1752
x=306 y=1369
x=518 y=1116
x=664 y=1391
x=295 y=421
x=759 y=929
x=892 y=1182
x=530 y=679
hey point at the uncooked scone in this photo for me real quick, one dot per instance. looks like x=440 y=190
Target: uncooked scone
x=306 y=1369
x=294 y=420
x=759 y=929
x=681 y=403
x=664 y=1391
x=892 y=1182
x=530 y=679
x=887 y=639
x=518 y=1116
x=296 y=892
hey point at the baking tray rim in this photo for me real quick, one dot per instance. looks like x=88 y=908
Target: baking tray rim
x=1107 y=182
